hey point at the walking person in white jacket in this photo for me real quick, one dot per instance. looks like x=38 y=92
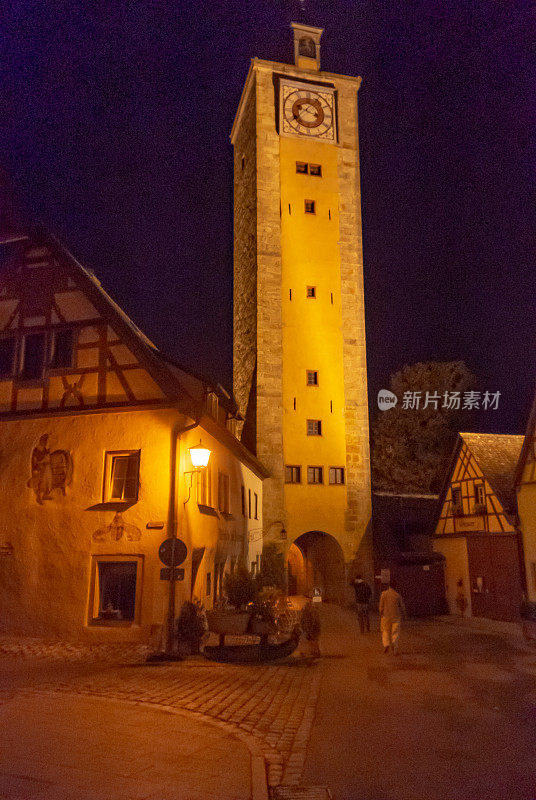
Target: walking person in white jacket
x=392 y=612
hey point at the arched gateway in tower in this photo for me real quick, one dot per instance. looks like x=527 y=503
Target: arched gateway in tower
x=299 y=327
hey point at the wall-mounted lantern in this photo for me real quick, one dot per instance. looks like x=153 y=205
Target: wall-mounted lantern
x=199 y=456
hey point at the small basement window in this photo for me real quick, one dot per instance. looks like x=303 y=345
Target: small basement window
x=315 y=169
x=309 y=206
x=302 y=168
x=116 y=589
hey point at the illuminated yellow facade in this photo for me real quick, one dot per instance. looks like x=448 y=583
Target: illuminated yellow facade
x=299 y=332
x=526 y=502
x=96 y=428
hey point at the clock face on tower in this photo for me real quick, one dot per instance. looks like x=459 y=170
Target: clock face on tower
x=307 y=111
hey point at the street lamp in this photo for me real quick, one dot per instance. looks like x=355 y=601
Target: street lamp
x=199 y=456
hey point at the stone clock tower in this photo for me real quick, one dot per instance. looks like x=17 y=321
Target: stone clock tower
x=299 y=327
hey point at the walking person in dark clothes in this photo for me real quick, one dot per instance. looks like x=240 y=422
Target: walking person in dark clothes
x=363 y=593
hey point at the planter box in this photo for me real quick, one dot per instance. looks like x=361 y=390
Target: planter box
x=233 y=623
x=260 y=627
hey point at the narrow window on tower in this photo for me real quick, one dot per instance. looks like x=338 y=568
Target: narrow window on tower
x=309 y=206
x=243 y=162
x=312 y=377
x=314 y=427
x=331 y=406
x=290 y=294
x=315 y=475
x=336 y=475
x=294 y=404
x=311 y=292
x=302 y=168
x=289 y=209
x=292 y=474
x=332 y=298
x=315 y=169
x=329 y=213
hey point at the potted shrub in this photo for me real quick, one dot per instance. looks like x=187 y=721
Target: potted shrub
x=191 y=626
x=240 y=588
x=263 y=621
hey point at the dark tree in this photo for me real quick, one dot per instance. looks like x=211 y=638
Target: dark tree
x=411 y=446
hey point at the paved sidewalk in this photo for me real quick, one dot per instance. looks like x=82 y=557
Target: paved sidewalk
x=453 y=717
x=64 y=747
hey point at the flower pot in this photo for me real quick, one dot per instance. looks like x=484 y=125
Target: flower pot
x=234 y=623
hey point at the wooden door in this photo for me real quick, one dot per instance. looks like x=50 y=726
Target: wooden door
x=495 y=576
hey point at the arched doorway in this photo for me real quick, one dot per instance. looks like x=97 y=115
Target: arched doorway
x=315 y=559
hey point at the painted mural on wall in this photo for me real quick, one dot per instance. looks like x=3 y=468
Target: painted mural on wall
x=116 y=530
x=50 y=470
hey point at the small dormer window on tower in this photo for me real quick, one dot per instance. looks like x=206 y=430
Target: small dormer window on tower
x=306 y=46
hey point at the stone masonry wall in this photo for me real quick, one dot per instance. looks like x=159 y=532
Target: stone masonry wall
x=245 y=264
x=269 y=321
x=358 y=545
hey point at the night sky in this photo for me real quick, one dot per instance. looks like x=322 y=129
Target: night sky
x=117 y=138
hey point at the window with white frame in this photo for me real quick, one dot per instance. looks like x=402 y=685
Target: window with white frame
x=336 y=475
x=314 y=427
x=292 y=473
x=315 y=475
x=121 y=476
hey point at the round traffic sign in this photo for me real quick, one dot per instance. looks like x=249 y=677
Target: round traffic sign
x=172 y=552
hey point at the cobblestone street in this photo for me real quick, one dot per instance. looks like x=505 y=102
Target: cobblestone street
x=325 y=723
x=270 y=707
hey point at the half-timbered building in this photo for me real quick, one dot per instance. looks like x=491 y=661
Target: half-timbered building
x=96 y=426
x=476 y=530
x=526 y=501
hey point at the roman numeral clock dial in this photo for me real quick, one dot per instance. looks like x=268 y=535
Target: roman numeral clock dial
x=307 y=111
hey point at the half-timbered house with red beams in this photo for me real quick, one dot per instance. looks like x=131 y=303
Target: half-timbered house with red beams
x=476 y=530
x=96 y=427
x=526 y=501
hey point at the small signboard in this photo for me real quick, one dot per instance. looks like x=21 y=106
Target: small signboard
x=317 y=595
x=172 y=552
x=166 y=574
